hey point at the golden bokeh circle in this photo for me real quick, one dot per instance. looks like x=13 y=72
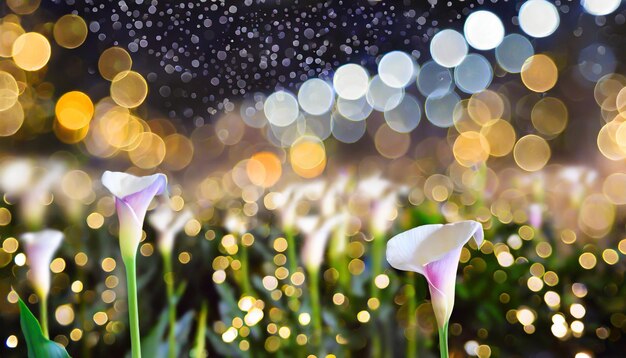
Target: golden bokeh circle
x=149 y=152
x=486 y=106
x=74 y=110
x=129 y=89
x=9 y=32
x=539 y=73
x=179 y=151
x=70 y=31
x=31 y=51
x=531 y=152
x=264 y=169
x=501 y=136
x=9 y=91
x=114 y=61
x=307 y=156
x=607 y=141
x=471 y=148
x=23 y=7
x=614 y=188
x=549 y=116
x=11 y=120
x=69 y=136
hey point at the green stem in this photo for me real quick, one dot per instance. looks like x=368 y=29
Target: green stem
x=378 y=248
x=315 y=305
x=443 y=341
x=133 y=308
x=292 y=261
x=43 y=316
x=171 y=303
x=411 y=346
x=247 y=287
x=200 y=335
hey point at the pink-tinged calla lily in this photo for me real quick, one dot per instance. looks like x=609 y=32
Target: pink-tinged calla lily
x=535 y=215
x=40 y=247
x=132 y=197
x=434 y=251
x=382 y=211
x=168 y=223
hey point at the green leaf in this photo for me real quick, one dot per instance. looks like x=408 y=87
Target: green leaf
x=38 y=345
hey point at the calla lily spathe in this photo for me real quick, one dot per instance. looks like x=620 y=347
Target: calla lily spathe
x=168 y=223
x=132 y=197
x=316 y=238
x=40 y=248
x=434 y=251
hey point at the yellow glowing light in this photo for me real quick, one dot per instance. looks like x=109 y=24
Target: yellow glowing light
x=363 y=316
x=179 y=151
x=70 y=31
x=9 y=32
x=9 y=91
x=549 y=116
x=31 y=51
x=471 y=148
x=11 y=120
x=500 y=135
x=587 y=260
x=539 y=73
x=308 y=157
x=113 y=61
x=64 y=314
x=23 y=7
x=74 y=110
x=264 y=169
x=614 y=188
x=607 y=141
x=150 y=151
x=484 y=107
x=129 y=89
x=531 y=153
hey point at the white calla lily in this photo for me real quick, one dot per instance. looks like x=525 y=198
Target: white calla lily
x=168 y=223
x=317 y=233
x=132 y=197
x=40 y=248
x=434 y=251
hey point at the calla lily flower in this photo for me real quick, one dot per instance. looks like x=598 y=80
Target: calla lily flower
x=291 y=196
x=381 y=212
x=168 y=223
x=317 y=232
x=434 y=251
x=40 y=248
x=132 y=198
x=32 y=201
x=535 y=215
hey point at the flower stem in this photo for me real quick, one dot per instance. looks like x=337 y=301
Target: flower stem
x=411 y=346
x=292 y=260
x=247 y=287
x=443 y=340
x=315 y=305
x=200 y=335
x=43 y=316
x=171 y=303
x=378 y=247
x=133 y=309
